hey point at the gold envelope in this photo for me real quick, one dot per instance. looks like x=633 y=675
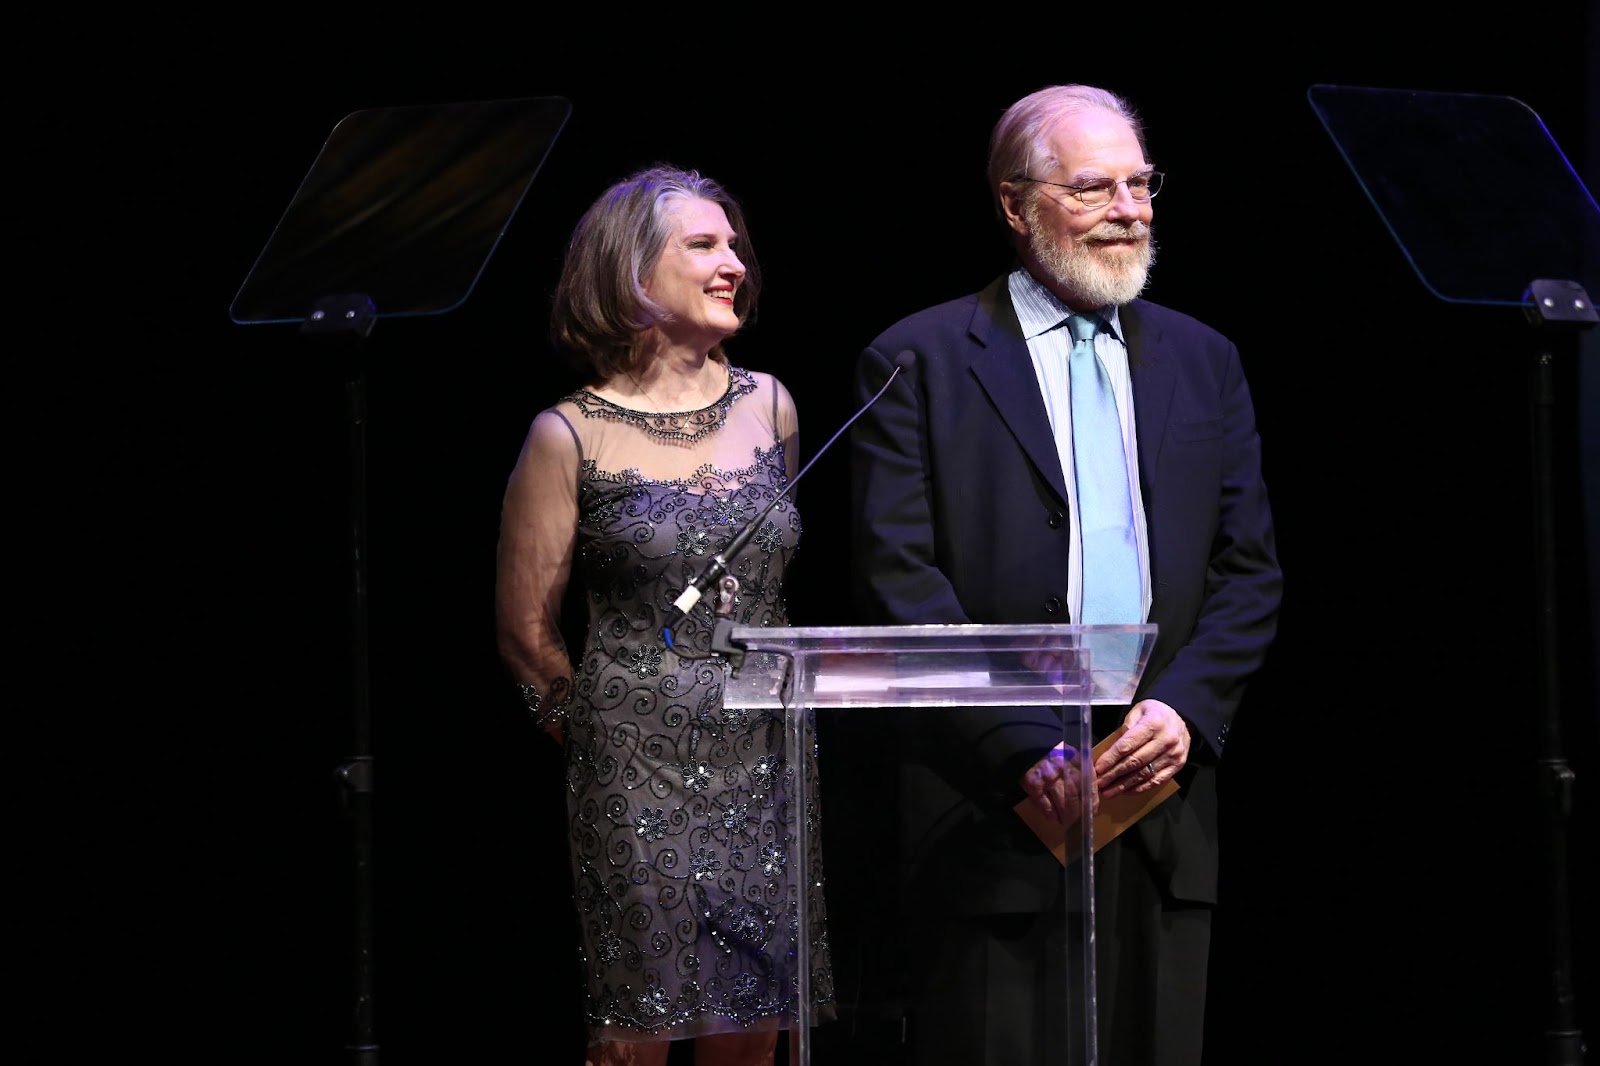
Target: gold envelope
x=1115 y=814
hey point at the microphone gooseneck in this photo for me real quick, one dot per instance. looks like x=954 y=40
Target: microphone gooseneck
x=719 y=562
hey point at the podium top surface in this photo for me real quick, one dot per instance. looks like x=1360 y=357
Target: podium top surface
x=939 y=665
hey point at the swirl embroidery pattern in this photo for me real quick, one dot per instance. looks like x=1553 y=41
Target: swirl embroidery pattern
x=680 y=824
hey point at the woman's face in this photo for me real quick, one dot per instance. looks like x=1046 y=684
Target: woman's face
x=697 y=274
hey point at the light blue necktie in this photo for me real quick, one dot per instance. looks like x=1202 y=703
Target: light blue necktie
x=1111 y=593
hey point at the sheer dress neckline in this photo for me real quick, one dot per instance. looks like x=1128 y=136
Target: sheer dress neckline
x=707 y=477
x=678 y=426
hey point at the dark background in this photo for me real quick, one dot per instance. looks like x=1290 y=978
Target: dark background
x=1387 y=895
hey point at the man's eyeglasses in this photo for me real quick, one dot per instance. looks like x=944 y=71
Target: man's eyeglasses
x=1102 y=191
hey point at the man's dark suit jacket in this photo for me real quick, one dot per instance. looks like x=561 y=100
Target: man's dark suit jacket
x=960 y=515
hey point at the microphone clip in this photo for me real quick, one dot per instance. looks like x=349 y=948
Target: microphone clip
x=727 y=596
x=722 y=642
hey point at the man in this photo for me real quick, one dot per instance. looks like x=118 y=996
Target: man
x=967 y=493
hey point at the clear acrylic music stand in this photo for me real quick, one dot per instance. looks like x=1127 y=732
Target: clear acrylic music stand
x=396 y=218
x=1487 y=210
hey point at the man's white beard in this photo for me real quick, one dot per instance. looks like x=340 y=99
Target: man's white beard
x=1078 y=268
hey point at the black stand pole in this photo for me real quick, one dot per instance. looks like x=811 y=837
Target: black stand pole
x=1554 y=306
x=352 y=317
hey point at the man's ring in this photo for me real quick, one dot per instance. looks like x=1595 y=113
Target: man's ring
x=1148 y=771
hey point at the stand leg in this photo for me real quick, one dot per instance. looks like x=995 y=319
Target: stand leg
x=357 y=773
x=1563 y=1039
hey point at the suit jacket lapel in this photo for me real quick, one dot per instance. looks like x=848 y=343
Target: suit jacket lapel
x=1003 y=367
x=1148 y=363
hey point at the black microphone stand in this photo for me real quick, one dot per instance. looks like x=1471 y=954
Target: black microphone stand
x=352 y=317
x=1558 y=310
x=1396 y=141
x=443 y=181
x=721 y=641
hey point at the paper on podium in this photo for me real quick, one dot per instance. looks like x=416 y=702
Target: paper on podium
x=1115 y=814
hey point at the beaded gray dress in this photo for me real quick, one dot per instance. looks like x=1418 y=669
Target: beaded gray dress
x=680 y=830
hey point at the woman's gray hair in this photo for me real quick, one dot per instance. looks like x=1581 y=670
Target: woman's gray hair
x=600 y=308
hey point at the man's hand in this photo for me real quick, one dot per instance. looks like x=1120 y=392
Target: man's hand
x=1054 y=784
x=1154 y=748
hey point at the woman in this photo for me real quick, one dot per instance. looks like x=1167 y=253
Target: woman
x=680 y=840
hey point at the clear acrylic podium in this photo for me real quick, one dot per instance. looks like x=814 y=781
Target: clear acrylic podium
x=859 y=669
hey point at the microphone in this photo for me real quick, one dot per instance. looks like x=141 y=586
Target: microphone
x=719 y=562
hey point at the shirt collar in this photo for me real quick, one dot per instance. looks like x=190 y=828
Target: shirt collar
x=1039 y=310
